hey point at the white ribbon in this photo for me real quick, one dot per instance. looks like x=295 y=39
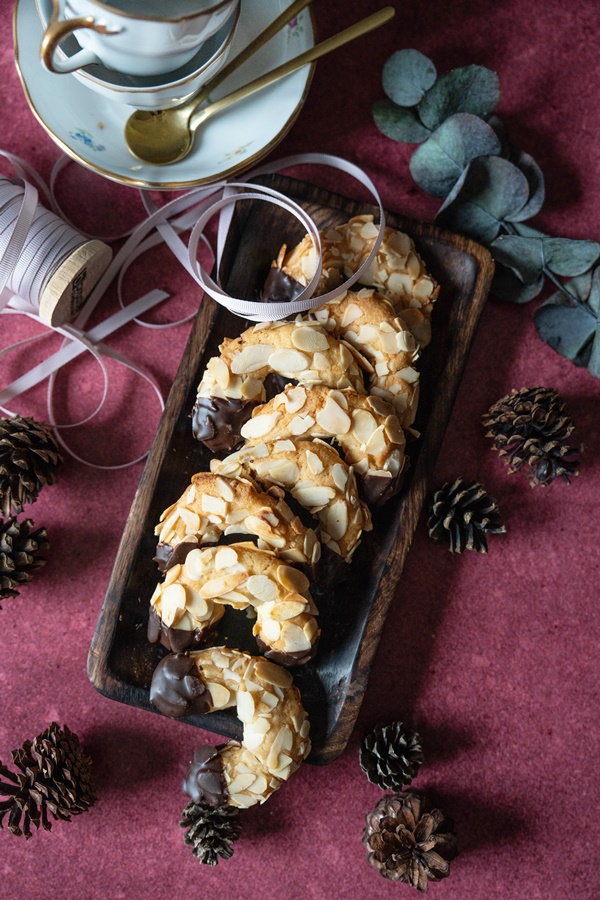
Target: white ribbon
x=192 y=210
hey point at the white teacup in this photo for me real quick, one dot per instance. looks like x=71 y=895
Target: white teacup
x=137 y=37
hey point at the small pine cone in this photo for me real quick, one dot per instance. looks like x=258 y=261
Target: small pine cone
x=462 y=513
x=29 y=459
x=408 y=841
x=529 y=428
x=391 y=757
x=19 y=545
x=54 y=776
x=211 y=831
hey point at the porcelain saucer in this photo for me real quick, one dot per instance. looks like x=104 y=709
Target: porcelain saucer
x=89 y=127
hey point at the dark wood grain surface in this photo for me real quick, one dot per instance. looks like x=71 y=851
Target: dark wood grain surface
x=121 y=660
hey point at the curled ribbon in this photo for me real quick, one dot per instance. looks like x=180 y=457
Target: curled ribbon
x=192 y=210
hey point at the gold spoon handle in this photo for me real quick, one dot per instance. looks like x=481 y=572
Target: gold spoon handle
x=259 y=41
x=292 y=65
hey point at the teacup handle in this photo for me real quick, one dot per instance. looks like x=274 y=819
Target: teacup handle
x=57 y=31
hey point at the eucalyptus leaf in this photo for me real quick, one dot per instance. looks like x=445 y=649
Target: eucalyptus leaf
x=407 y=76
x=500 y=129
x=470 y=89
x=489 y=190
x=537 y=188
x=567 y=329
x=438 y=163
x=506 y=285
x=524 y=255
x=594 y=360
x=569 y=258
x=398 y=123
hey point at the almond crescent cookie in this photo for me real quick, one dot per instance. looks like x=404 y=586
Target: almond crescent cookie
x=234 y=381
x=367 y=321
x=212 y=506
x=366 y=429
x=398 y=272
x=276 y=727
x=317 y=477
x=192 y=598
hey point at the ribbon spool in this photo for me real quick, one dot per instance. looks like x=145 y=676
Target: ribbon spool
x=55 y=268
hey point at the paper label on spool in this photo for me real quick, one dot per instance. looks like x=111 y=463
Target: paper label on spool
x=70 y=286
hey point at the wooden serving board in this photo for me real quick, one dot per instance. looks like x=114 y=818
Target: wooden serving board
x=121 y=660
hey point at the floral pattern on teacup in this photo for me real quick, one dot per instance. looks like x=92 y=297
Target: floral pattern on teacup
x=86 y=138
x=294 y=27
x=239 y=151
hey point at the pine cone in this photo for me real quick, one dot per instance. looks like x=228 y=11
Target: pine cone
x=18 y=548
x=29 y=459
x=212 y=831
x=54 y=777
x=530 y=427
x=462 y=513
x=391 y=757
x=408 y=841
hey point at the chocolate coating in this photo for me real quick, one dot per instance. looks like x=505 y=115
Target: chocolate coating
x=297 y=658
x=175 y=639
x=167 y=556
x=279 y=287
x=204 y=781
x=217 y=422
x=376 y=490
x=177 y=689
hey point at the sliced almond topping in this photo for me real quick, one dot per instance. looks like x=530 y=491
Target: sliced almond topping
x=214 y=505
x=245 y=706
x=283 y=470
x=221 y=372
x=309 y=339
x=376 y=443
x=313 y=496
x=285 y=361
x=262 y=587
x=172 y=604
x=271 y=630
x=252 y=741
x=259 y=426
x=241 y=783
x=294 y=637
x=292 y=579
x=215 y=587
x=287 y=609
x=273 y=674
x=340 y=476
x=172 y=575
x=314 y=463
x=363 y=425
x=251 y=388
x=301 y=424
x=241 y=800
x=225 y=558
x=351 y=313
x=196 y=605
x=311 y=630
x=219 y=694
x=393 y=430
x=409 y=374
x=320 y=361
x=191 y=494
x=284 y=447
x=259 y=785
x=336 y=519
x=295 y=399
x=333 y=418
x=251 y=358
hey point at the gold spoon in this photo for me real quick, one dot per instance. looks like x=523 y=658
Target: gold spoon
x=168 y=136
x=142 y=119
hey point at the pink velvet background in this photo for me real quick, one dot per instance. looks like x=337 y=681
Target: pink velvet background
x=493 y=659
